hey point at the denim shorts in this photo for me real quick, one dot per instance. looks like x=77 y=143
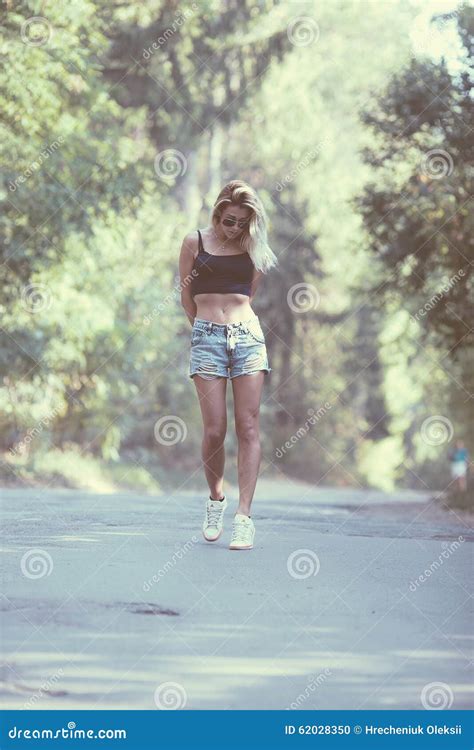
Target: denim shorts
x=227 y=350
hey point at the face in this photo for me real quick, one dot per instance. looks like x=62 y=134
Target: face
x=235 y=220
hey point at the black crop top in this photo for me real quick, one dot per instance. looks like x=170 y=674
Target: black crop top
x=221 y=273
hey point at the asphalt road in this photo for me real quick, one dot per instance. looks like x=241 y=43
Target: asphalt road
x=349 y=600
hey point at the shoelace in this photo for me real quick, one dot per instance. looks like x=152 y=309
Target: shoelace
x=241 y=531
x=214 y=514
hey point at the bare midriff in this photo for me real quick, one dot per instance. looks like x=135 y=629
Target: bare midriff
x=223 y=308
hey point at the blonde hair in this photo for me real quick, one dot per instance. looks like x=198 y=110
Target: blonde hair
x=254 y=237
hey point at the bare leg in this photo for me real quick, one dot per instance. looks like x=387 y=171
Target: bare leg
x=212 y=400
x=247 y=393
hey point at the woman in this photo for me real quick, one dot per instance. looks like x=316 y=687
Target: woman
x=226 y=261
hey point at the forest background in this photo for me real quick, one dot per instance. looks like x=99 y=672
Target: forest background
x=120 y=123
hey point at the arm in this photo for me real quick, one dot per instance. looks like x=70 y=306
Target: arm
x=256 y=279
x=186 y=262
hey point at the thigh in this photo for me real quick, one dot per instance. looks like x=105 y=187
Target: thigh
x=247 y=390
x=212 y=401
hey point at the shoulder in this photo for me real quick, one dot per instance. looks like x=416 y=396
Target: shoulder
x=190 y=243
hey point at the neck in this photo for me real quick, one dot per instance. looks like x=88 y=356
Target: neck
x=220 y=235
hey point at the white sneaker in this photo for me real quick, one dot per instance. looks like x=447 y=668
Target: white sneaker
x=213 y=523
x=243 y=532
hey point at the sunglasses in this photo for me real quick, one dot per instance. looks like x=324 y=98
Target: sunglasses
x=230 y=222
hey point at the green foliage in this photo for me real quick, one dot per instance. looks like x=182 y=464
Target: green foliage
x=418 y=211
x=95 y=345
x=75 y=469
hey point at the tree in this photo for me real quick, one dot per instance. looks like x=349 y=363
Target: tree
x=418 y=211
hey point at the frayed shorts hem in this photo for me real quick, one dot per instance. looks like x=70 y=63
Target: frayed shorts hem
x=208 y=376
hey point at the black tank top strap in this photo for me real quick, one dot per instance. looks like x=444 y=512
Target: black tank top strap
x=201 y=246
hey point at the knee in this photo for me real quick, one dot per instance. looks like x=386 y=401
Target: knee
x=214 y=436
x=247 y=431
